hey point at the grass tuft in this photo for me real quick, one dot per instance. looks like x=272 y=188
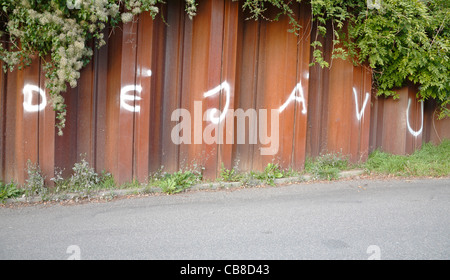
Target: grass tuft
x=431 y=160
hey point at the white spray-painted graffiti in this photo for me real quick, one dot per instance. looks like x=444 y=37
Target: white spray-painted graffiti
x=125 y=97
x=144 y=72
x=360 y=113
x=213 y=112
x=28 y=98
x=408 y=125
x=128 y=100
x=296 y=95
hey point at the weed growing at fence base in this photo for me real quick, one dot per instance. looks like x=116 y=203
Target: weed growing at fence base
x=327 y=166
x=9 y=191
x=178 y=181
x=430 y=160
x=229 y=175
x=83 y=181
x=35 y=185
x=271 y=172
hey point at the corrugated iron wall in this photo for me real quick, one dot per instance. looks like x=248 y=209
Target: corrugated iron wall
x=339 y=107
x=145 y=102
x=401 y=126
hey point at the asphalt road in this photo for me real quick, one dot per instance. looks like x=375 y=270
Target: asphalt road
x=350 y=219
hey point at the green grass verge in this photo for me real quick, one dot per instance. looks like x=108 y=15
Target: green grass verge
x=430 y=160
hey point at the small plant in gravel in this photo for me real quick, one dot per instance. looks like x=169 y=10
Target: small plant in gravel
x=9 y=191
x=270 y=173
x=178 y=181
x=84 y=178
x=35 y=183
x=229 y=175
x=326 y=166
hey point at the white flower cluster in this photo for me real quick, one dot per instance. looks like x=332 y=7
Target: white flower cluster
x=10 y=58
x=136 y=7
x=99 y=12
x=67 y=53
x=62 y=32
x=191 y=8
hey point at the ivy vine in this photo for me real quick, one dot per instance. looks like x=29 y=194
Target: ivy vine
x=402 y=40
x=406 y=41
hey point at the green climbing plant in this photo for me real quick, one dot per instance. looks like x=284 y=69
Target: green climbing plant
x=403 y=41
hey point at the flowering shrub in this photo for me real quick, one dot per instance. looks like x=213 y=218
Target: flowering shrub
x=58 y=32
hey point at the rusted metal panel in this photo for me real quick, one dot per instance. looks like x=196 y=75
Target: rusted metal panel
x=339 y=116
x=365 y=120
x=390 y=130
x=318 y=99
x=274 y=68
x=156 y=94
x=66 y=153
x=22 y=103
x=399 y=123
x=360 y=127
x=340 y=103
x=277 y=81
x=230 y=75
x=2 y=119
x=46 y=134
x=28 y=91
x=303 y=76
x=245 y=93
x=11 y=104
x=348 y=110
x=100 y=103
x=85 y=129
x=201 y=73
x=143 y=104
x=435 y=130
x=81 y=128
x=121 y=97
x=414 y=121
x=171 y=91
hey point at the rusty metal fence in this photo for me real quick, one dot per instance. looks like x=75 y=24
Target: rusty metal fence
x=218 y=89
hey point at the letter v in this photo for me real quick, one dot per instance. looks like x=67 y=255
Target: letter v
x=360 y=114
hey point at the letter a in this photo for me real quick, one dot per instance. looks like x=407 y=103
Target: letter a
x=184 y=125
